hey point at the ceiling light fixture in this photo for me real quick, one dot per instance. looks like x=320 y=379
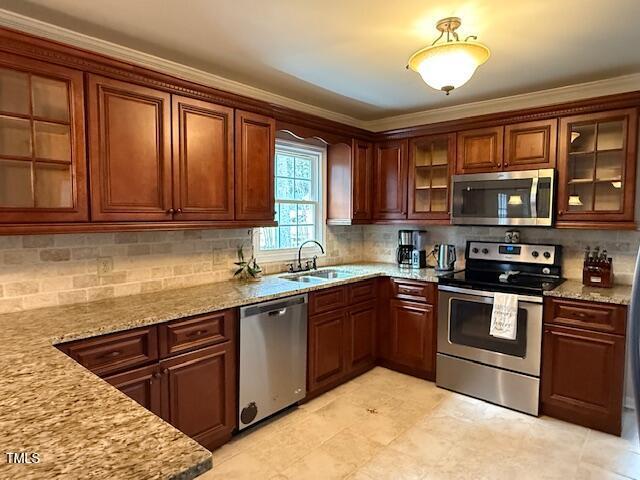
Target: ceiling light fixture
x=448 y=65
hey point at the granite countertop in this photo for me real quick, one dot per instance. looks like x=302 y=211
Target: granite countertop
x=83 y=427
x=574 y=289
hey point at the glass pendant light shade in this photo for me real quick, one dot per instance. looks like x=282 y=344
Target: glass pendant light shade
x=449 y=65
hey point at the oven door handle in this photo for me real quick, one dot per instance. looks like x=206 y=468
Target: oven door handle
x=480 y=293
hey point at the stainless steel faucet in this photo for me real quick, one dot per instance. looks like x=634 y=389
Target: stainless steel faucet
x=314 y=265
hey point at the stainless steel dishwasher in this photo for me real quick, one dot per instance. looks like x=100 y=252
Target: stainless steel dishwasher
x=273 y=357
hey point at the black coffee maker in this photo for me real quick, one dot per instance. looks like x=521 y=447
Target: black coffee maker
x=405 y=248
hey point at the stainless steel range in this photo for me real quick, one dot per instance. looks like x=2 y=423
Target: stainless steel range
x=470 y=360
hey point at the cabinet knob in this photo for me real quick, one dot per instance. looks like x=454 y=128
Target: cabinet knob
x=157 y=375
x=179 y=210
x=171 y=210
x=165 y=371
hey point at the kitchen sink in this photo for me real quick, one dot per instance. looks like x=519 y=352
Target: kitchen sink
x=317 y=276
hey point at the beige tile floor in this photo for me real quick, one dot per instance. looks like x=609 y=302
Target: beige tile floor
x=385 y=425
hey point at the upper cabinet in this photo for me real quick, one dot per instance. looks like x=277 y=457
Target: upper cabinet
x=597 y=168
x=349 y=183
x=480 y=150
x=203 y=162
x=430 y=164
x=42 y=149
x=390 y=180
x=129 y=151
x=521 y=146
x=530 y=145
x=255 y=152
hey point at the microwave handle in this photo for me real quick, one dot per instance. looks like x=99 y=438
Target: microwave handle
x=533 y=199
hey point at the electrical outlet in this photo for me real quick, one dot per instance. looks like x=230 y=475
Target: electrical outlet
x=105 y=265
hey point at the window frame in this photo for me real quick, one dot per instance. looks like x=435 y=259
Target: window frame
x=320 y=185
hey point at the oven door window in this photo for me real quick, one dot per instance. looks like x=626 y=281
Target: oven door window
x=469 y=324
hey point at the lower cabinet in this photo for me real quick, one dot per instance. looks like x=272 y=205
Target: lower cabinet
x=193 y=390
x=342 y=342
x=582 y=366
x=408 y=327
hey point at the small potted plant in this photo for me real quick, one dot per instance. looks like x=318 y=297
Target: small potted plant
x=248 y=270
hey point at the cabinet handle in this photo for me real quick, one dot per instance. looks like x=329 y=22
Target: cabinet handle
x=157 y=375
x=112 y=354
x=165 y=371
x=179 y=210
x=197 y=333
x=561 y=212
x=171 y=211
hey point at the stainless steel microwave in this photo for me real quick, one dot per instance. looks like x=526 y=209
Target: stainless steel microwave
x=503 y=198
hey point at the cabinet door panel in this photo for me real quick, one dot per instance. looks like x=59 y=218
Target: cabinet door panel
x=582 y=377
x=530 y=145
x=130 y=151
x=199 y=397
x=42 y=143
x=390 y=180
x=361 y=337
x=480 y=150
x=412 y=329
x=202 y=160
x=362 y=180
x=597 y=160
x=142 y=385
x=326 y=354
x=255 y=151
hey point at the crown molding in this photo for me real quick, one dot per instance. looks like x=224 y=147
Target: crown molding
x=569 y=93
x=541 y=98
x=39 y=28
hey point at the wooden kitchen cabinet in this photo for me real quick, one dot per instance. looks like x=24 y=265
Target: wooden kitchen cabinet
x=597 y=169
x=342 y=338
x=582 y=375
x=199 y=393
x=203 y=160
x=408 y=327
x=327 y=362
x=390 y=180
x=254 y=164
x=413 y=336
x=42 y=147
x=183 y=371
x=431 y=161
x=129 y=151
x=480 y=150
x=144 y=385
x=361 y=336
x=530 y=145
x=349 y=183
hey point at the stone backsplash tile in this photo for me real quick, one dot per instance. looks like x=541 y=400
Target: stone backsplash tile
x=45 y=270
x=380 y=242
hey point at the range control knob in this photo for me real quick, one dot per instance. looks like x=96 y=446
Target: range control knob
x=485 y=250
x=535 y=254
x=546 y=255
x=475 y=250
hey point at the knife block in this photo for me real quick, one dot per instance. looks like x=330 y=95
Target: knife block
x=598 y=274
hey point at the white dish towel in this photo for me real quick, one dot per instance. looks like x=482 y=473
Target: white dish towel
x=504 y=317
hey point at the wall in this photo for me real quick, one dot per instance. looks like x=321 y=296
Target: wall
x=380 y=243
x=46 y=270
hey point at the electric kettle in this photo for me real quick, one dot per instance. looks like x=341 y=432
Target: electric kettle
x=445 y=257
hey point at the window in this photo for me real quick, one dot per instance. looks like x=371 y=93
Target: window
x=299 y=202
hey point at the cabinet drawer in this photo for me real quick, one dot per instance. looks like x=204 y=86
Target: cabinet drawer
x=416 y=291
x=362 y=291
x=601 y=317
x=327 y=300
x=119 y=351
x=195 y=332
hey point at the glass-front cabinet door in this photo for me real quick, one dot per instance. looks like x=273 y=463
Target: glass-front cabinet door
x=42 y=158
x=430 y=164
x=597 y=164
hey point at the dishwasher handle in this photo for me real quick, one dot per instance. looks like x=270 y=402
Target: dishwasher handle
x=273 y=308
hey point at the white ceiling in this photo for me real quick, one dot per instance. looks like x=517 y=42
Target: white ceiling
x=348 y=56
